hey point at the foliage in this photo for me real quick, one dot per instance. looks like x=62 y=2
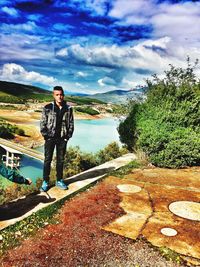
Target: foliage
x=170 y=255
x=127 y=128
x=87 y=110
x=13 y=191
x=77 y=161
x=7 y=130
x=166 y=126
x=126 y=169
x=111 y=151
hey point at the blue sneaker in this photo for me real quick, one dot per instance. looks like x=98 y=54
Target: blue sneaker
x=61 y=184
x=44 y=187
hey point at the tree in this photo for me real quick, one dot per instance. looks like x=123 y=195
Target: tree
x=166 y=126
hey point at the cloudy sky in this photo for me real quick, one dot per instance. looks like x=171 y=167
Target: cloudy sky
x=95 y=45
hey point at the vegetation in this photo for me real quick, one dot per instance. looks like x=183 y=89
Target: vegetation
x=7 y=130
x=13 y=191
x=87 y=110
x=166 y=125
x=77 y=161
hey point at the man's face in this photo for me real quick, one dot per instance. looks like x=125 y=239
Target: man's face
x=58 y=96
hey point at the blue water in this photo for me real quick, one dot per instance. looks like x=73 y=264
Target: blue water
x=89 y=135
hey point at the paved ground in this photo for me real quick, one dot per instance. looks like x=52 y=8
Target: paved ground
x=163 y=206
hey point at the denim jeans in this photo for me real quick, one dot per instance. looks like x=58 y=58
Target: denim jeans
x=49 y=147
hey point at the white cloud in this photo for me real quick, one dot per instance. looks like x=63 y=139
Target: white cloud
x=34 y=17
x=81 y=74
x=96 y=6
x=14 y=72
x=131 y=84
x=123 y=9
x=29 y=26
x=180 y=21
x=10 y=11
x=107 y=81
x=23 y=47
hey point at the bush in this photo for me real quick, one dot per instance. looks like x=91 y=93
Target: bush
x=7 y=130
x=77 y=161
x=111 y=151
x=166 y=126
x=127 y=128
x=87 y=110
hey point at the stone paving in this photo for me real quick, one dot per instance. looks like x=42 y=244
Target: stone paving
x=163 y=206
x=24 y=207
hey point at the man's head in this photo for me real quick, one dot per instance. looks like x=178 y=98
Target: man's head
x=58 y=94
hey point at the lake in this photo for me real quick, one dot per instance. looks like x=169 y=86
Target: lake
x=89 y=135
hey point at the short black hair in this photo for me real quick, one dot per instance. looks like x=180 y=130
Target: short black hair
x=58 y=88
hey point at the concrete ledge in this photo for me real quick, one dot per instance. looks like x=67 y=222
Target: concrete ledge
x=20 y=209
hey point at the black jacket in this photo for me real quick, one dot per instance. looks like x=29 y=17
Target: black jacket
x=48 y=121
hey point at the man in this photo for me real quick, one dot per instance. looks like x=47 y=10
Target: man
x=13 y=176
x=56 y=126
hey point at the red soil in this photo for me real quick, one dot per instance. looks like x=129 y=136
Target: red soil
x=78 y=239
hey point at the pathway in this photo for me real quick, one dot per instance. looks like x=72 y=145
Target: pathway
x=24 y=207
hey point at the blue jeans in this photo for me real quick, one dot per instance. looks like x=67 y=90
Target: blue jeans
x=49 y=147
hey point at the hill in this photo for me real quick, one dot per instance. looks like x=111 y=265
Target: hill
x=119 y=96
x=11 y=92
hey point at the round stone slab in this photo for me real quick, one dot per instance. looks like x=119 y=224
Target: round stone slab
x=168 y=231
x=186 y=209
x=129 y=188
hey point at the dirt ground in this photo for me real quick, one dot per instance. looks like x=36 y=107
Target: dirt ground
x=79 y=238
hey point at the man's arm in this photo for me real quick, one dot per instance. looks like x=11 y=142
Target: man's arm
x=43 y=123
x=71 y=123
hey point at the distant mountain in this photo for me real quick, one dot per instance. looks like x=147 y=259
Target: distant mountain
x=119 y=96
x=75 y=93
x=17 y=93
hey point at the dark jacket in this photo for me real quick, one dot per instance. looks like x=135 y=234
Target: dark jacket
x=48 y=121
x=12 y=175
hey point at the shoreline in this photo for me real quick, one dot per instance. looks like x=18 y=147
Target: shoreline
x=27 y=120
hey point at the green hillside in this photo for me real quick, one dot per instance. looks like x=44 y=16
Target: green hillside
x=20 y=93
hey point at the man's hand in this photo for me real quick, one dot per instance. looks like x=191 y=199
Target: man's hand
x=29 y=182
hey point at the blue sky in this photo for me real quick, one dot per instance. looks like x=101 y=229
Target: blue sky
x=95 y=45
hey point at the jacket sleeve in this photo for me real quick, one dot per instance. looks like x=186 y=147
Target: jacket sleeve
x=12 y=175
x=71 y=123
x=43 y=123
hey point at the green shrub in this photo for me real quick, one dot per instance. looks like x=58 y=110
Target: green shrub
x=77 y=161
x=127 y=128
x=166 y=126
x=111 y=151
x=7 y=130
x=87 y=110
x=20 y=132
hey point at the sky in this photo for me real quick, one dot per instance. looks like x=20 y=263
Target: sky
x=95 y=46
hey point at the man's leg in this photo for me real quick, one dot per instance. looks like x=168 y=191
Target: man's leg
x=61 y=146
x=60 y=154
x=48 y=154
